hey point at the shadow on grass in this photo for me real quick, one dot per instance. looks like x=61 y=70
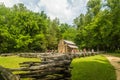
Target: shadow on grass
x=96 y=69
x=1 y=78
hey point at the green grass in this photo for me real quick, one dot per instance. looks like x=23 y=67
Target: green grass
x=114 y=54
x=13 y=61
x=88 y=68
x=92 y=68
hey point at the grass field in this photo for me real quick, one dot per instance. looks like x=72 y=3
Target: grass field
x=114 y=54
x=92 y=68
x=13 y=61
x=88 y=68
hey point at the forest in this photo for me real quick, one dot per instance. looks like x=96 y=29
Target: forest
x=22 y=30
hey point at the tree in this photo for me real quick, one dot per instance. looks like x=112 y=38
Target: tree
x=99 y=27
x=22 y=30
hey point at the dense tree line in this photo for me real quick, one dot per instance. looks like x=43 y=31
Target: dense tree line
x=22 y=30
x=99 y=28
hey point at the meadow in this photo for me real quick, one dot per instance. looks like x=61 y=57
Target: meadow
x=85 y=68
x=114 y=54
x=92 y=68
x=13 y=61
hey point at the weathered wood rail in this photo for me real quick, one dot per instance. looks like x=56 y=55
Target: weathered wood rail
x=5 y=74
x=51 y=67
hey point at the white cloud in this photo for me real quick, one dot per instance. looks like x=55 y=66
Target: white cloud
x=9 y=3
x=56 y=8
x=65 y=10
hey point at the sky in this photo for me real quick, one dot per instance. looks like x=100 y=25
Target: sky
x=65 y=10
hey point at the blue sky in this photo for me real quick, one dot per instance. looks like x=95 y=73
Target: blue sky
x=65 y=10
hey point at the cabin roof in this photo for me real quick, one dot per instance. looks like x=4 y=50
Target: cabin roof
x=72 y=46
x=69 y=42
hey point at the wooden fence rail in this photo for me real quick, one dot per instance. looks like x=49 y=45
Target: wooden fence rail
x=51 y=67
x=6 y=74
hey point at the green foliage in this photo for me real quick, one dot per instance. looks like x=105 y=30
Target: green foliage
x=68 y=32
x=39 y=43
x=6 y=41
x=99 y=27
x=92 y=68
x=23 y=42
x=22 y=30
x=117 y=54
x=117 y=51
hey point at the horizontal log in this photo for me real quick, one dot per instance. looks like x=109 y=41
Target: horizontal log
x=7 y=74
x=19 y=69
x=39 y=74
x=51 y=64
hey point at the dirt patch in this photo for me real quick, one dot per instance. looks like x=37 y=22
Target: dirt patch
x=115 y=61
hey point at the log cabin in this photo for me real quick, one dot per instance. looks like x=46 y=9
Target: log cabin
x=66 y=46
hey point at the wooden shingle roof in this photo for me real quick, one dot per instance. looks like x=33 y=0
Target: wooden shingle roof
x=72 y=46
x=69 y=42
